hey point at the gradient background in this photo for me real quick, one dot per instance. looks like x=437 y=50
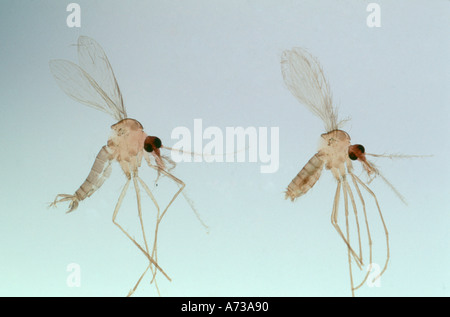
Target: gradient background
x=220 y=61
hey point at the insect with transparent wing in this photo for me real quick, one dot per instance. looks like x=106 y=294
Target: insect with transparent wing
x=305 y=79
x=93 y=83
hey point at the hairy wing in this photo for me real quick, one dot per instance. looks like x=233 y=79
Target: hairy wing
x=305 y=79
x=80 y=86
x=93 y=60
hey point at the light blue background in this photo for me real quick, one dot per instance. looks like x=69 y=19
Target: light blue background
x=220 y=61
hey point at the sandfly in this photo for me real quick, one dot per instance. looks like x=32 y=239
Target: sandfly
x=93 y=83
x=305 y=79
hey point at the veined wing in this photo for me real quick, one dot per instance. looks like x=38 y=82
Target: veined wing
x=78 y=84
x=306 y=81
x=93 y=60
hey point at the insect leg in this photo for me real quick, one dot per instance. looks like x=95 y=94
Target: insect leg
x=139 y=281
x=367 y=228
x=138 y=199
x=335 y=224
x=382 y=221
x=160 y=216
x=181 y=185
x=350 y=194
x=154 y=250
x=344 y=187
x=116 y=210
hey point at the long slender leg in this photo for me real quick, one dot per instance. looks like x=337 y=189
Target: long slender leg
x=181 y=184
x=160 y=216
x=382 y=221
x=138 y=199
x=191 y=203
x=352 y=199
x=154 y=253
x=334 y=222
x=176 y=180
x=116 y=210
x=139 y=281
x=367 y=228
x=348 y=234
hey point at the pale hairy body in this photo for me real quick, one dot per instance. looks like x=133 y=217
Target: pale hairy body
x=94 y=84
x=305 y=79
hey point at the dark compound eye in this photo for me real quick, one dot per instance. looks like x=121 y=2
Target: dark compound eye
x=152 y=143
x=352 y=156
x=354 y=151
x=157 y=142
x=148 y=144
x=148 y=147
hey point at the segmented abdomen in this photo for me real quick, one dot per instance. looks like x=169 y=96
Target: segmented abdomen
x=100 y=171
x=305 y=179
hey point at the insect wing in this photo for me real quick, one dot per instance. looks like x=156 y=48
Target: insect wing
x=305 y=79
x=94 y=61
x=79 y=85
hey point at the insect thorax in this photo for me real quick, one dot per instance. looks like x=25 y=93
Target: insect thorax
x=126 y=140
x=334 y=149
